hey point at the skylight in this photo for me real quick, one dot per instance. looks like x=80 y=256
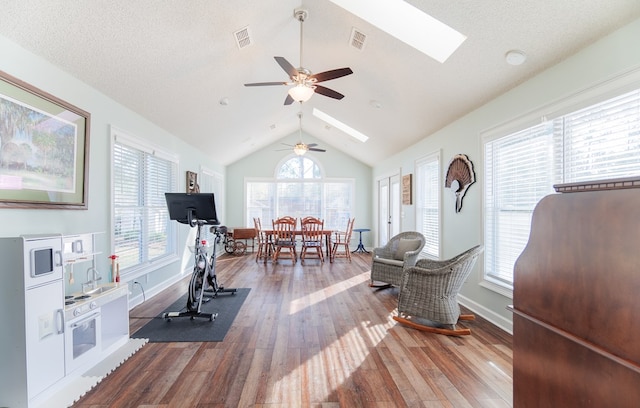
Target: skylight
x=339 y=125
x=408 y=24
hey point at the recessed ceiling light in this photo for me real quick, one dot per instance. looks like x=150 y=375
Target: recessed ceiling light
x=408 y=24
x=515 y=57
x=337 y=124
x=224 y=101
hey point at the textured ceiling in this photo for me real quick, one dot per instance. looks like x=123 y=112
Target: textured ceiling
x=173 y=61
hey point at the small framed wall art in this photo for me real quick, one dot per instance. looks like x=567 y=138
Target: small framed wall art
x=406 y=190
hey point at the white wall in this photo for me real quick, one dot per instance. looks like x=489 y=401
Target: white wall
x=602 y=61
x=105 y=112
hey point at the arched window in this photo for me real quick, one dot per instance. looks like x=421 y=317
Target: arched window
x=300 y=189
x=299 y=167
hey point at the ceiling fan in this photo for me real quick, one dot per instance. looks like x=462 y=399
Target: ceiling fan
x=305 y=83
x=301 y=148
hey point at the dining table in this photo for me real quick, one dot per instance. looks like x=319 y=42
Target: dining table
x=327 y=234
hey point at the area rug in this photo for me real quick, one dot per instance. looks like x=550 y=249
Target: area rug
x=181 y=329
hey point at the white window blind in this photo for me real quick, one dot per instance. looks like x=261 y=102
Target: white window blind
x=597 y=142
x=519 y=170
x=428 y=203
x=603 y=141
x=142 y=230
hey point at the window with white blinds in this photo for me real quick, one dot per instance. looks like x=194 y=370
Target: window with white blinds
x=142 y=230
x=598 y=142
x=300 y=191
x=428 y=203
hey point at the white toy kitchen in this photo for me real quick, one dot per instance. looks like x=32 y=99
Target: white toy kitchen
x=51 y=332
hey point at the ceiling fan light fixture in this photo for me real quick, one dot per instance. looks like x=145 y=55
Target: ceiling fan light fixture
x=301 y=93
x=300 y=149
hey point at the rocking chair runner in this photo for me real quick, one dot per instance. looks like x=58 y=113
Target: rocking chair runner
x=429 y=290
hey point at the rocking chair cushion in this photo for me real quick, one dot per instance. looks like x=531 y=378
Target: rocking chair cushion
x=387 y=261
x=406 y=245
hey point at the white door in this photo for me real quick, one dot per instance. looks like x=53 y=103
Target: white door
x=45 y=336
x=389 y=196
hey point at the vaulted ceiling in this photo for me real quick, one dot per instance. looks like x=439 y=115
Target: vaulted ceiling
x=177 y=63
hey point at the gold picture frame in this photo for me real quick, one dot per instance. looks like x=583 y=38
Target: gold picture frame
x=44 y=149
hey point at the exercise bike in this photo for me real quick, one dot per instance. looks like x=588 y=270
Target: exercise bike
x=186 y=209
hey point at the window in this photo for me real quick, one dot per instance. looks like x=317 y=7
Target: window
x=142 y=231
x=601 y=141
x=428 y=203
x=299 y=190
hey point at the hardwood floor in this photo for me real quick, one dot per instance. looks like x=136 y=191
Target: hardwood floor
x=311 y=336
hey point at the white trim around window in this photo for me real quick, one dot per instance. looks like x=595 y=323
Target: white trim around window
x=429 y=203
x=592 y=134
x=141 y=233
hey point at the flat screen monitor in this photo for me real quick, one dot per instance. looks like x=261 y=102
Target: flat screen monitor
x=192 y=208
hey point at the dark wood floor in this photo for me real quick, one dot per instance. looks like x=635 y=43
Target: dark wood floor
x=311 y=336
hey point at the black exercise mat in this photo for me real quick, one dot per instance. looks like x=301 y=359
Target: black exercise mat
x=179 y=329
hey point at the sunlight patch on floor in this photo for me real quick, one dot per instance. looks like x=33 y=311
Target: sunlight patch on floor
x=342 y=357
x=296 y=305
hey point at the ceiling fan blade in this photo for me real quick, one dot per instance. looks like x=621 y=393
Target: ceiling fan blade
x=312 y=145
x=265 y=83
x=328 y=92
x=288 y=68
x=315 y=149
x=288 y=100
x=333 y=74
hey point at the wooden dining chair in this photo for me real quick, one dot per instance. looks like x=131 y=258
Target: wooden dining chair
x=340 y=241
x=265 y=245
x=284 y=238
x=312 y=234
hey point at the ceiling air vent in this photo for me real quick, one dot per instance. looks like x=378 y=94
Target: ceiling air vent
x=357 y=39
x=243 y=37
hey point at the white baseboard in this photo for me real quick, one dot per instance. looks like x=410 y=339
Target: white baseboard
x=500 y=321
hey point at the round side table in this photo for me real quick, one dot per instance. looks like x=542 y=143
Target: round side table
x=360 y=248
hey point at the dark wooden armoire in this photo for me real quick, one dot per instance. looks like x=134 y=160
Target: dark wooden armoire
x=576 y=304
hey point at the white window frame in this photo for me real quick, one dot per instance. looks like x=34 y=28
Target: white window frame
x=431 y=186
x=322 y=181
x=591 y=96
x=121 y=137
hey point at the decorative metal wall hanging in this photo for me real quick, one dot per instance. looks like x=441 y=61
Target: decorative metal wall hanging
x=460 y=176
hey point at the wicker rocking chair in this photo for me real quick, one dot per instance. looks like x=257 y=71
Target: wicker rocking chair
x=390 y=260
x=428 y=298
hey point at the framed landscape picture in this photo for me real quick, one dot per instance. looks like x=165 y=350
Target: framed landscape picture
x=44 y=149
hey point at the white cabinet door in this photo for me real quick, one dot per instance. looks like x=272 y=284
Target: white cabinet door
x=44 y=336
